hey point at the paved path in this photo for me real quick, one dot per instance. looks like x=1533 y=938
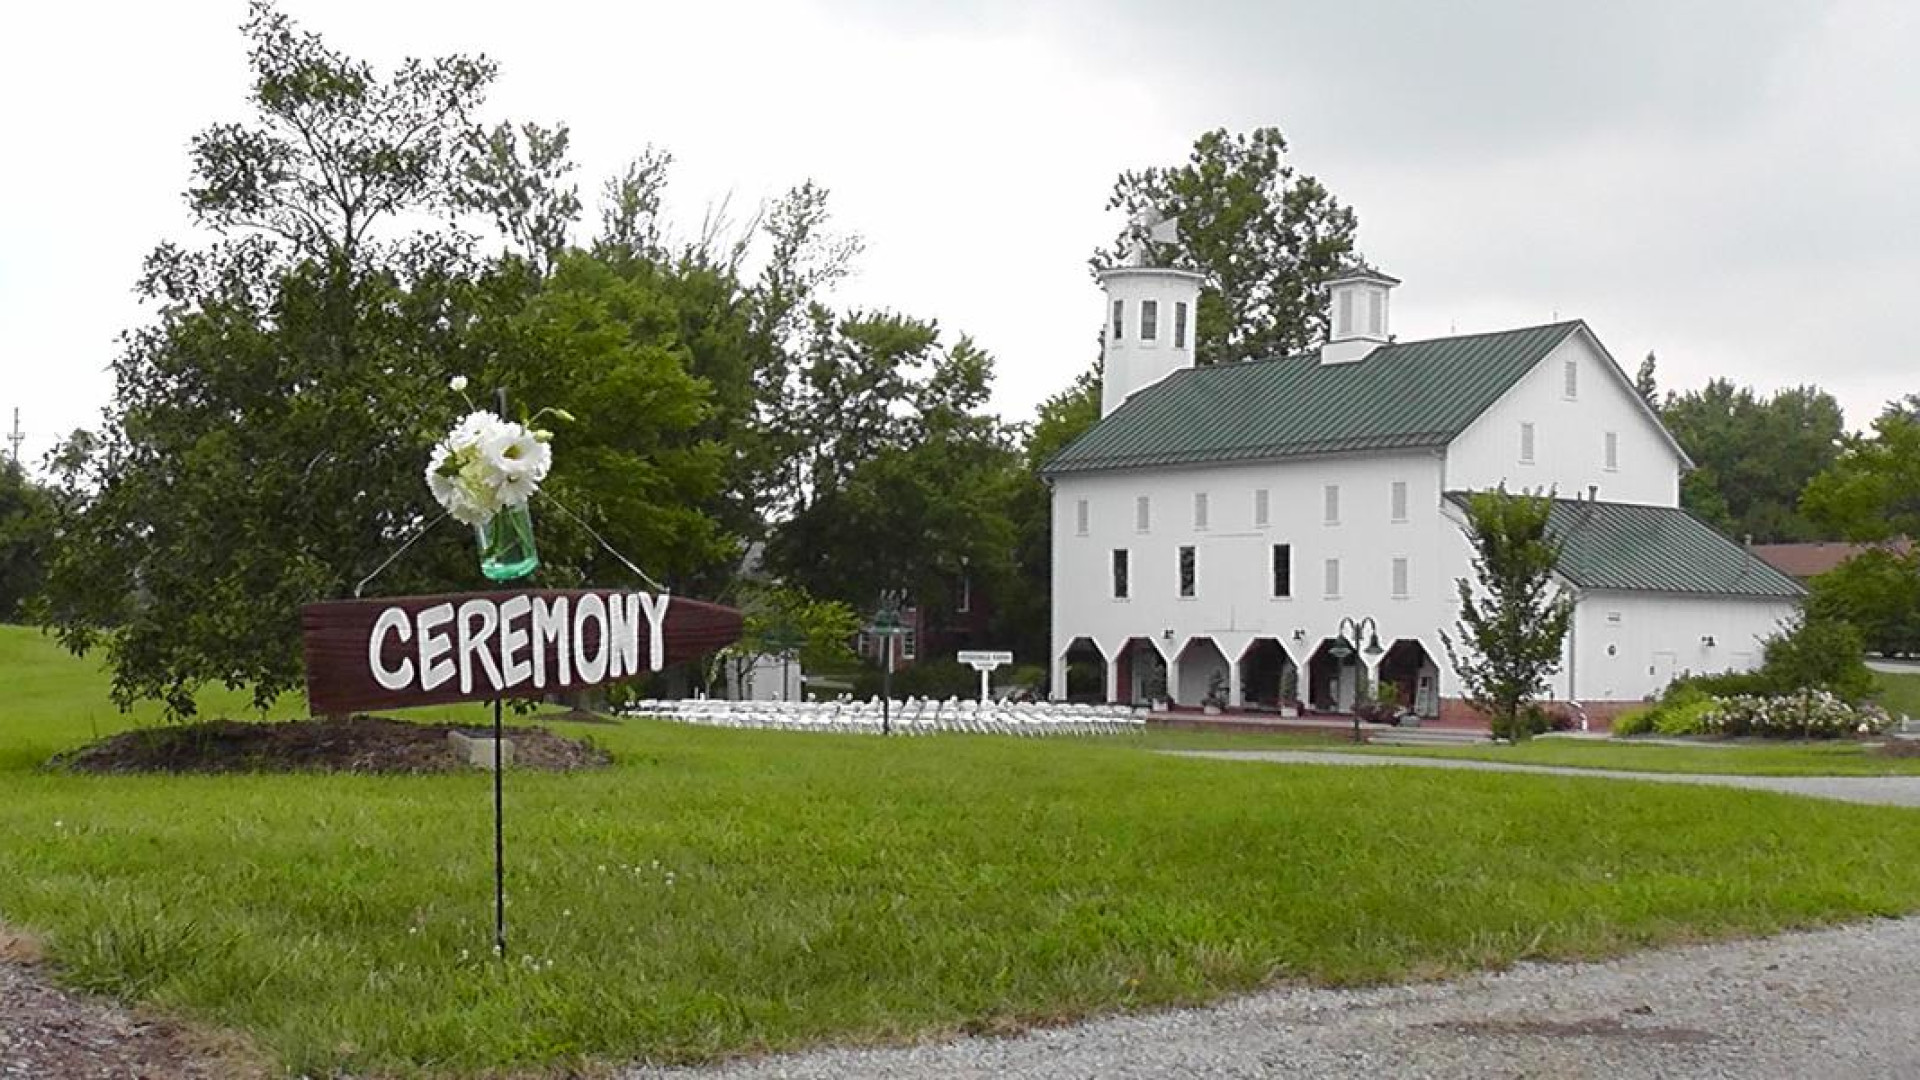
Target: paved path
x=1875 y=790
x=1833 y=1004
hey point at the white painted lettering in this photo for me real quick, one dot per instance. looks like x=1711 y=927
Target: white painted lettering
x=478 y=620
x=434 y=645
x=623 y=627
x=550 y=627
x=656 y=609
x=590 y=669
x=514 y=669
x=391 y=621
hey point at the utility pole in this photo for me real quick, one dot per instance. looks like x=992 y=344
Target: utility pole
x=16 y=438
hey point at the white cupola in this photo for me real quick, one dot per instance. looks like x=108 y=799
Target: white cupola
x=1149 y=319
x=1356 y=315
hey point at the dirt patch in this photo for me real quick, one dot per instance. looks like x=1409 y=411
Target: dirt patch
x=361 y=744
x=49 y=1032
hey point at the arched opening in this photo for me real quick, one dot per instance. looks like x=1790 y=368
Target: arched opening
x=1203 y=674
x=1414 y=677
x=1143 y=673
x=1334 y=675
x=1086 y=671
x=1268 y=676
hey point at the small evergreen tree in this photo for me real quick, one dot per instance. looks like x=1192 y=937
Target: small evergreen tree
x=1513 y=620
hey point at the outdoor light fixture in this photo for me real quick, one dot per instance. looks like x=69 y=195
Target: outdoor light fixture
x=1299 y=633
x=1707 y=640
x=1347 y=640
x=1167 y=634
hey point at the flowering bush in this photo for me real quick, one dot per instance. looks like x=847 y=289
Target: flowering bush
x=1808 y=714
x=486 y=464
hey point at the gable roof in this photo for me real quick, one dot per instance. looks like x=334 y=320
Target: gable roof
x=1632 y=548
x=1802 y=561
x=1403 y=395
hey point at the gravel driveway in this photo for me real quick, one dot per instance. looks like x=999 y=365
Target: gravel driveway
x=1875 y=790
x=1836 y=1004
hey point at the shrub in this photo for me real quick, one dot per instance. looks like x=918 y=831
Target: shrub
x=924 y=679
x=1689 y=718
x=1808 y=714
x=1818 y=654
x=1634 y=722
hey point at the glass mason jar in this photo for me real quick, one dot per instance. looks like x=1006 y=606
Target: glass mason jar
x=506 y=544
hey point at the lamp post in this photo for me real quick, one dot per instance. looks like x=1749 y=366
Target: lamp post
x=1344 y=647
x=886 y=623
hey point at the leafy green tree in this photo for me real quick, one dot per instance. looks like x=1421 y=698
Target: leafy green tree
x=26 y=535
x=782 y=620
x=1266 y=237
x=1878 y=592
x=1753 y=455
x=268 y=432
x=1871 y=491
x=903 y=481
x=1023 y=620
x=1513 y=618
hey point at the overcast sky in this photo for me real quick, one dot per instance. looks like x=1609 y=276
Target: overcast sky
x=1733 y=185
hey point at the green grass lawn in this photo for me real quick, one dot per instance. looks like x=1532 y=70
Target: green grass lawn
x=719 y=892
x=1898 y=693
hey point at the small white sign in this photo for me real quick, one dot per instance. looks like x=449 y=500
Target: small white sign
x=975 y=656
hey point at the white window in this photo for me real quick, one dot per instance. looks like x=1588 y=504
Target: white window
x=1119 y=319
x=1400 y=579
x=1260 y=507
x=1526 y=443
x=966 y=594
x=1199 y=509
x=1346 y=312
x=1189 y=573
x=1149 y=320
x=1571 y=370
x=1333 y=579
x=1080 y=517
x=909 y=643
x=1399 y=500
x=1142 y=513
x=1179 y=324
x=1613 y=450
x=1333 y=504
x=1376 y=312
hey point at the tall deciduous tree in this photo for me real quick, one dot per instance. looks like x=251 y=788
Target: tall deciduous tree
x=1753 y=455
x=268 y=432
x=1878 y=592
x=1265 y=236
x=1872 y=489
x=1513 y=618
x=26 y=537
x=1023 y=615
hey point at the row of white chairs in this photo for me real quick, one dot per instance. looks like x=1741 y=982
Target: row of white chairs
x=912 y=716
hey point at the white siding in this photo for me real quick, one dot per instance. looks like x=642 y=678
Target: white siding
x=1570 y=445
x=1658 y=636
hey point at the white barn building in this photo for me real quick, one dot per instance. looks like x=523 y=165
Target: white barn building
x=1218 y=524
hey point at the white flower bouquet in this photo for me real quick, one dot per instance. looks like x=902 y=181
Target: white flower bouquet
x=483 y=473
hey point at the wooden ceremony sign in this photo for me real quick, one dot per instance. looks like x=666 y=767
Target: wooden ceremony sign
x=431 y=650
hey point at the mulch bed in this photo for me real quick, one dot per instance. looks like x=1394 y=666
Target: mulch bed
x=361 y=744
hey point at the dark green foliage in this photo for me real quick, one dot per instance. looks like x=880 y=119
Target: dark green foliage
x=1513 y=618
x=1753 y=455
x=1817 y=654
x=268 y=433
x=1022 y=620
x=1872 y=491
x=1878 y=592
x=939 y=678
x=907 y=481
x=1266 y=237
x=26 y=535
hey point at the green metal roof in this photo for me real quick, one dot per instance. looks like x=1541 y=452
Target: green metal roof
x=1402 y=395
x=1621 y=546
